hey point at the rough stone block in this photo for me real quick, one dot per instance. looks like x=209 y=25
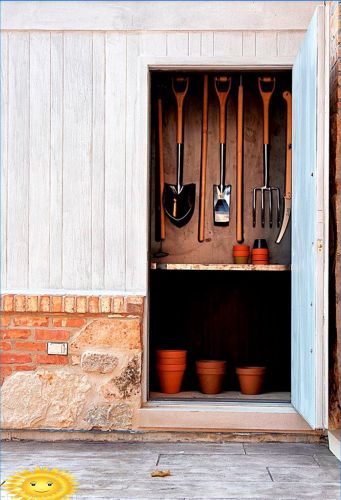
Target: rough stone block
x=123 y=333
x=98 y=362
x=110 y=416
x=128 y=383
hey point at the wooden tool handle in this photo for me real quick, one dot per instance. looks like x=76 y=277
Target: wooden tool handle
x=203 y=161
x=222 y=86
x=266 y=96
x=288 y=99
x=180 y=97
x=239 y=226
x=161 y=170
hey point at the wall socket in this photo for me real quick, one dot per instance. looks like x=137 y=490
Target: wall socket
x=59 y=348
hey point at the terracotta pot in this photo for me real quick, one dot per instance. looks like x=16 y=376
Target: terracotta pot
x=241 y=254
x=241 y=248
x=260 y=262
x=251 y=379
x=171 y=361
x=210 y=374
x=170 y=377
x=260 y=243
x=171 y=353
x=260 y=251
x=240 y=260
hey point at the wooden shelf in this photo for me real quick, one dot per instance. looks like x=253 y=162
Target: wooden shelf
x=218 y=267
x=272 y=397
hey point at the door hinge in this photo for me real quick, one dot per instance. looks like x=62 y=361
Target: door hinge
x=320 y=245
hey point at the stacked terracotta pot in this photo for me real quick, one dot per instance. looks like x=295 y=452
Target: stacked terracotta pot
x=211 y=374
x=171 y=366
x=260 y=252
x=241 y=254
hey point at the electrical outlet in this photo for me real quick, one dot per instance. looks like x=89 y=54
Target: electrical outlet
x=59 y=348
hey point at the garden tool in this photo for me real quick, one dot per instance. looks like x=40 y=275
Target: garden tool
x=239 y=207
x=287 y=194
x=266 y=87
x=222 y=192
x=203 y=161
x=179 y=199
x=160 y=253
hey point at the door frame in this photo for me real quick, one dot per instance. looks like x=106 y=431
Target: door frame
x=145 y=65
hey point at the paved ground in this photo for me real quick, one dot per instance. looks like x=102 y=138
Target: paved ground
x=199 y=470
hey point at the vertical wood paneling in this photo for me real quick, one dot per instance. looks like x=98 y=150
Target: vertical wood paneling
x=249 y=44
x=56 y=160
x=266 y=43
x=207 y=44
x=98 y=149
x=288 y=43
x=77 y=160
x=115 y=160
x=177 y=44
x=39 y=182
x=228 y=44
x=154 y=44
x=18 y=159
x=194 y=44
x=4 y=156
x=136 y=177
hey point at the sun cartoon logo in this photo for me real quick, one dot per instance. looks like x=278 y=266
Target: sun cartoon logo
x=50 y=484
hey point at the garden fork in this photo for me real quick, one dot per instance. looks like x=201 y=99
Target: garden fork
x=266 y=87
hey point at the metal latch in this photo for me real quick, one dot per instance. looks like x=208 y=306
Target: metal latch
x=320 y=245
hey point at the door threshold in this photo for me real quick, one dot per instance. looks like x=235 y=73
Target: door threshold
x=221 y=417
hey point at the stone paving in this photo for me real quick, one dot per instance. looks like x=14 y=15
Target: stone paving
x=198 y=470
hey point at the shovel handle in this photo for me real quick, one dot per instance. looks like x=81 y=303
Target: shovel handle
x=161 y=170
x=239 y=225
x=180 y=97
x=203 y=161
x=288 y=99
x=266 y=96
x=222 y=86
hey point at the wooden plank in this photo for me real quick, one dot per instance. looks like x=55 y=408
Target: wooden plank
x=219 y=267
x=4 y=155
x=77 y=160
x=98 y=151
x=249 y=43
x=207 y=44
x=115 y=161
x=153 y=44
x=39 y=181
x=18 y=160
x=103 y=15
x=56 y=172
x=266 y=44
x=136 y=177
x=289 y=43
x=177 y=44
x=194 y=44
x=228 y=44
x=222 y=396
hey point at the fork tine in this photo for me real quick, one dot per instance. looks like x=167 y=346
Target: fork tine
x=262 y=208
x=254 y=194
x=278 y=207
x=270 y=208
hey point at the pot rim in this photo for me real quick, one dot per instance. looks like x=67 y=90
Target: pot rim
x=170 y=368
x=250 y=370
x=171 y=352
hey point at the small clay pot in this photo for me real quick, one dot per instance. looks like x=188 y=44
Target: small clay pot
x=241 y=254
x=171 y=353
x=260 y=243
x=240 y=260
x=251 y=379
x=260 y=256
x=170 y=377
x=210 y=374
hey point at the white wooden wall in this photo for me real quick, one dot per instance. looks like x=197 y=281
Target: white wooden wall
x=72 y=217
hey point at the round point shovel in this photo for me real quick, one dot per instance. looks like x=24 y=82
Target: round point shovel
x=179 y=199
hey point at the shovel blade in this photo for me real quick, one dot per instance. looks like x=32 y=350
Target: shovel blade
x=179 y=205
x=221 y=205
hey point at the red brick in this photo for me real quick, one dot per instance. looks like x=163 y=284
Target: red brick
x=81 y=304
x=25 y=368
x=20 y=303
x=70 y=322
x=105 y=305
x=44 y=303
x=19 y=333
x=5 y=371
x=69 y=304
x=52 y=335
x=93 y=305
x=57 y=304
x=31 y=321
x=8 y=302
x=9 y=358
x=5 y=320
x=51 y=359
x=30 y=346
x=32 y=303
x=5 y=346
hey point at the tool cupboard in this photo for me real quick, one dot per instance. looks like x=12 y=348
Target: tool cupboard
x=199 y=300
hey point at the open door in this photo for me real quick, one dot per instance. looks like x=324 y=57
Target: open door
x=310 y=226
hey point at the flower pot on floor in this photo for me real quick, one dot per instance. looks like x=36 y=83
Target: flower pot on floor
x=210 y=374
x=170 y=377
x=172 y=357
x=251 y=379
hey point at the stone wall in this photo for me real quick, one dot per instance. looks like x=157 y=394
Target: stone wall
x=97 y=385
x=335 y=213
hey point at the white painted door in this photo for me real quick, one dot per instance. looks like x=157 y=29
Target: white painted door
x=310 y=226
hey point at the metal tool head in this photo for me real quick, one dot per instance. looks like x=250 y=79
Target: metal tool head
x=263 y=191
x=221 y=205
x=179 y=203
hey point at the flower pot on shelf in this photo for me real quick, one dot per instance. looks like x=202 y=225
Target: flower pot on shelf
x=260 y=256
x=241 y=254
x=170 y=377
x=251 y=379
x=210 y=374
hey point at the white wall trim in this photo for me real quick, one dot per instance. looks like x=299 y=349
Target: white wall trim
x=58 y=291
x=156 y=15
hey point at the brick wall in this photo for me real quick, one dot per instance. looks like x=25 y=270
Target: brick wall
x=101 y=373
x=335 y=213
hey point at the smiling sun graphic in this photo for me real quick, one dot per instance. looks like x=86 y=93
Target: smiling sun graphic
x=49 y=484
